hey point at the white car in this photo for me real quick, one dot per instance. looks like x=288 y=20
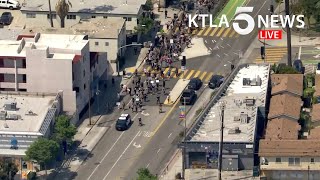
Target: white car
x=123 y=122
x=10 y=4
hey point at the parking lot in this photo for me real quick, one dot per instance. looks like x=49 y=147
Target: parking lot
x=18 y=21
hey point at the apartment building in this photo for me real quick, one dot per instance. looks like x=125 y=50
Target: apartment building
x=284 y=152
x=37 y=12
x=47 y=63
x=106 y=36
x=244 y=95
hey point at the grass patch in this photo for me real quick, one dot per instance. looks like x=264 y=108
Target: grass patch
x=199 y=111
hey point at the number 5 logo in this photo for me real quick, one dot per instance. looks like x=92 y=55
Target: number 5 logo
x=241 y=13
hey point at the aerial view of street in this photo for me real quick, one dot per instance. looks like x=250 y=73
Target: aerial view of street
x=160 y=89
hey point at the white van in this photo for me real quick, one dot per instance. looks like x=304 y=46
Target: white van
x=11 y=4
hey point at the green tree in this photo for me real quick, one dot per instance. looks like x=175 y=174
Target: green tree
x=148 y=6
x=286 y=70
x=144 y=174
x=7 y=169
x=43 y=151
x=308 y=9
x=144 y=26
x=63 y=129
x=62 y=9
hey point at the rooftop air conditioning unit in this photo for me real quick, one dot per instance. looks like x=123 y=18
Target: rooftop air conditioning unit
x=10 y=106
x=236 y=130
x=246 y=81
x=12 y=117
x=3 y=115
x=244 y=118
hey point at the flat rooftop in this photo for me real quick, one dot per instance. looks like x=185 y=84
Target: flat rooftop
x=9 y=34
x=239 y=118
x=31 y=112
x=108 y=28
x=53 y=41
x=130 y=7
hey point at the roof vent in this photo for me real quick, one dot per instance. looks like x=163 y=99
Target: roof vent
x=246 y=81
x=10 y=106
x=12 y=117
x=236 y=130
x=244 y=118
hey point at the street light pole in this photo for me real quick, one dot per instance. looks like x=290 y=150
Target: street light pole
x=90 y=100
x=222 y=106
x=288 y=35
x=185 y=138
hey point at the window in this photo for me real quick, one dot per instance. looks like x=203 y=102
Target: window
x=278 y=160
x=105 y=17
x=312 y=160
x=93 y=16
x=96 y=43
x=84 y=73
x=31 y=15
x=294 y=161
x=71 y=16
x=24 y=65
x=24 y=165
x=106 y=43
x=124 y=18
x=84 y=86
x=24 y=78
x=54 y=16
x=129 y=19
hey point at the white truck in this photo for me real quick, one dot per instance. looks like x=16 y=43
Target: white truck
x=10 y=4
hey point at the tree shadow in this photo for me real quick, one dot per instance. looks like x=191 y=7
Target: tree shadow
x=104 y=8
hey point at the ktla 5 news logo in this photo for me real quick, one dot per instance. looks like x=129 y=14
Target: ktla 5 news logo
x=241 y=14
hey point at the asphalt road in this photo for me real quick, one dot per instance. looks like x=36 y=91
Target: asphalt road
x=118 y=155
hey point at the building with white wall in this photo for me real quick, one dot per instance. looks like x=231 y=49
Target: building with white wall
x=105 y=36
x=37 y=12
x=47 y=63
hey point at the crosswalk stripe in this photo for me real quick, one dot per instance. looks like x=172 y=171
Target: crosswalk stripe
x=214 y=31
x=165 y=71
x=183 y=73
x=233 y=32
x=226 y=32
x=195 y=32
x=202 y=75
x=274 y=56
x=237 y=35
x=207 y=31
x=271 y=62
x=190 y=74
x=200 y=32
x=197 y=74
x=179 y=71
x=173 y=72
x=148 y=68
x=220 y=32
x=176 y=30
x=277 y=48
x=208 y=77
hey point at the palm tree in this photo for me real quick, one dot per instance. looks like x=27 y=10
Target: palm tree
x=62 y=9
x=50 y=13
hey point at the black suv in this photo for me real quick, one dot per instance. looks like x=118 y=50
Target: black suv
x=188 y=96
x=216 y=81
x=124 y=122
x=195 y=84
x=6 y=18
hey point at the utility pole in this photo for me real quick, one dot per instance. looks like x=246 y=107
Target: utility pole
x=184 y=139
x=289 y=63
x=222 y=107
x=90 y=100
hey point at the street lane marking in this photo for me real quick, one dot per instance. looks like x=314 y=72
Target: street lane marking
x=169 y=135
x=197 y=74
x=201 y=31
x=226 y=32
x=148 y=165
x=183 y=73
x=190 y=74
x=207 y=32
x=260 y=8
x=220 y=32
x=214 y=31
x=209 y=76
x=194 y=32
x=158 y=151
x=203 y=75
x=121 y=156
x=232 y=33
x=105 y=155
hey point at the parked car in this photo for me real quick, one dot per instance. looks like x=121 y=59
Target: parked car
x=216 y=81
x=10 y=4
x=195 y=84
x=6 y=18
x=297 y=65
x=123 y=122
x=188 y=96
x=318 y=66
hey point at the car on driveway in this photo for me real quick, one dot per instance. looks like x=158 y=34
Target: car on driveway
x=195 y=84
x=216 y=81
x=6 y=18
x=188 y=96
x=123 y=122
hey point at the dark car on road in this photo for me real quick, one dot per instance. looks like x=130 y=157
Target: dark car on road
x=195 y=84
x=6 y=18
x=216 y=81
x=188 y=96
x=297 y=65
x=124 y=122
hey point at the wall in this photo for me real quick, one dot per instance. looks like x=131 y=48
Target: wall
x=111 y=49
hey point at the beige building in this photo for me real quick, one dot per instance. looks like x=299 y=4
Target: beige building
x=104 y=35
x=283 y=154
x=37 y=12
x=47 y=63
